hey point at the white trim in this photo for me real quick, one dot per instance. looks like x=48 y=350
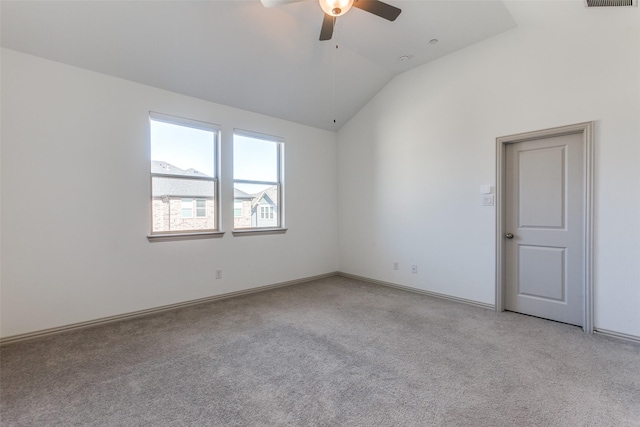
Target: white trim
x=176 y=120
x=419 y=291
x=147 y=312
x=586 y=129
x=190 y=235
x=281 y=186
x=239 y=232
x=257 y=135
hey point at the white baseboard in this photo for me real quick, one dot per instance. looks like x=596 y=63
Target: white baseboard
x=141 y=313
x=419 y=291
x=617 y=335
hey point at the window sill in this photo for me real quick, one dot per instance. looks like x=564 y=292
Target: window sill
x=258 y=231
x=185 y=236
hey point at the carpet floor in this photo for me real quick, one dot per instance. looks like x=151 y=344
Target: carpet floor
x=333 y=352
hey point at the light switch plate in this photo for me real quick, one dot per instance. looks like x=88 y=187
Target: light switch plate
x=486 y=189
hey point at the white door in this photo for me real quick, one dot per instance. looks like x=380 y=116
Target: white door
x=544 y=228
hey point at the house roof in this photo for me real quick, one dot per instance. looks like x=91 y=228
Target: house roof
x=166 y=168
x=182 y=186
x=177 y=187
x=239 y=194
x=270 y=194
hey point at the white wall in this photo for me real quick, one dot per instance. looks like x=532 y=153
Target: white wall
x=76 y=209
x=411 y=163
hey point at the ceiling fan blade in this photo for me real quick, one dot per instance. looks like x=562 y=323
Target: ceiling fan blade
x=326 y=32
x=383 y=10
x=272 y=3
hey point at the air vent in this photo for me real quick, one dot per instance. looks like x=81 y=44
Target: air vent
x=611 y=3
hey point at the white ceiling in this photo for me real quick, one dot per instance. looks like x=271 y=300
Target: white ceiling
x=240 y=54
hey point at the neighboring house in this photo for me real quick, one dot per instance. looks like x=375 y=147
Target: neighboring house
x=255 y=210
x=241 y=209
x=264 y=208
x=180 y=204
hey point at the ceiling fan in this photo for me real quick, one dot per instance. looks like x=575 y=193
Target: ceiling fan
x=334 y=8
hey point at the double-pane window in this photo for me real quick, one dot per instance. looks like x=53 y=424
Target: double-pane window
x=187 y=208
x=237 y=208
x=257 y=180
x=266 y=212
x=184 y=196
x=201 y=208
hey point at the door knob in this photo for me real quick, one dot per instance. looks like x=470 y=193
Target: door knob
x=509 y=236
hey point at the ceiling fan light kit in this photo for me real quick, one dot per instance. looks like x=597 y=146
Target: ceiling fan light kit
x=335 y=7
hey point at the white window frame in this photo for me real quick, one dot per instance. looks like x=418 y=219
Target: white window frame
x=182 y=234
x=196 y=208
x=266 y=212
x=236 y=208
x=279 y=215
x=186 y=204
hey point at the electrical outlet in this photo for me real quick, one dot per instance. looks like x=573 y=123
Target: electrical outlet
x=218 y=274
x=396 y=265
x=414 y=269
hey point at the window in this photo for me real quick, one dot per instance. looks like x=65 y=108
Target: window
x=266 y=212
x=257 y=181
x=201 y=208
x=237 y=208
x=187 y=208
x=184 y=184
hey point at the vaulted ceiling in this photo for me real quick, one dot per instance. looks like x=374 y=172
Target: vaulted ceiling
x=243 y=55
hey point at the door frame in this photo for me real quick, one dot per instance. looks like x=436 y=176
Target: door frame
x=587 y=130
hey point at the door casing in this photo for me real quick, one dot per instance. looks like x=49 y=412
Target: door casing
x=586 y=129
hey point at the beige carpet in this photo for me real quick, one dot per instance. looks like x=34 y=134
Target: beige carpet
x=326 y=353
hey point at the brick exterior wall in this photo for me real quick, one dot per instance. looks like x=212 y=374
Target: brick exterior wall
x=243 y=221
x=167 y=216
